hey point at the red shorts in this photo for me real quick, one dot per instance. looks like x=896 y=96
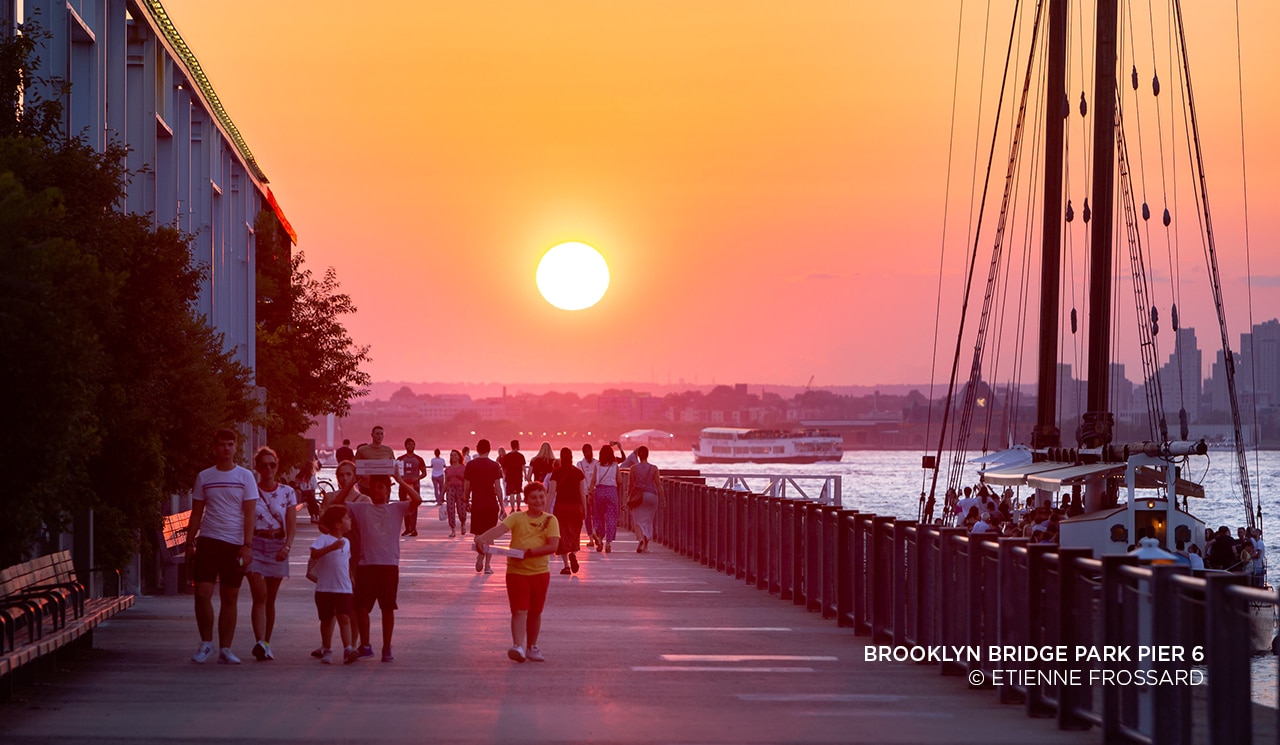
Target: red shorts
x=528 y=591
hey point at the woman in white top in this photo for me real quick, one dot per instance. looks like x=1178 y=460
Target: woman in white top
x=605 y=510
x=273 y=528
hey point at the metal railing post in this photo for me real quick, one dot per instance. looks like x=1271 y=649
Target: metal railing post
x=1227 y=656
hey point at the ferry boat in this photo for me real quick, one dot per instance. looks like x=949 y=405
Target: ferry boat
x=740 y=445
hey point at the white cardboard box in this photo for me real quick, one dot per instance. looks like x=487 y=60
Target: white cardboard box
x=517 y=553
x=377 y=467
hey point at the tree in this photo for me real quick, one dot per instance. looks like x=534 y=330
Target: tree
x=307 y=360
x=116 y=383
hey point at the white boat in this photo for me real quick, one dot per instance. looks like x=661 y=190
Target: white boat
x=741 y=445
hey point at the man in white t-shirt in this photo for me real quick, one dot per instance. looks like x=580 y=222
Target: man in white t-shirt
x=438 y=465
x=219 y=543
x=377 y=575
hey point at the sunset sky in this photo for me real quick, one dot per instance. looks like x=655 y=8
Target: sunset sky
x=766 y=180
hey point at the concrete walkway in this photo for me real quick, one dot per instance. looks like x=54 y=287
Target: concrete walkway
x=640 y=648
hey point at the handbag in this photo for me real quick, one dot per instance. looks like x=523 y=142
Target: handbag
x=443 y=512
x=313 y=569
x=635 y=498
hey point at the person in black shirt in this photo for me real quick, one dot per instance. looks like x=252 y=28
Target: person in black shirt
x=481 y=487
x=513 y=469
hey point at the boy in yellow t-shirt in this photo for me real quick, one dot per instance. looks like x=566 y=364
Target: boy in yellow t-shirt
x=537 y=533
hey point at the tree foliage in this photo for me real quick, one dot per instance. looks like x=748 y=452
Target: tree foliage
x=307 y=360
x=117 y=383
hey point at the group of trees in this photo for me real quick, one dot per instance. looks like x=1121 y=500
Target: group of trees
x=115 y=383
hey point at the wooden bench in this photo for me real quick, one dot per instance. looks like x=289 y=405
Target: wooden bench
x=44 y=607
x=172 y=547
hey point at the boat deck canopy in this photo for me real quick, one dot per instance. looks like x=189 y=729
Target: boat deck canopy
x=1053 y=476
x=1017 y=475
x=1071 y=475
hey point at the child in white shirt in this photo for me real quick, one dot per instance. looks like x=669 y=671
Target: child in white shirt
x=332 y=552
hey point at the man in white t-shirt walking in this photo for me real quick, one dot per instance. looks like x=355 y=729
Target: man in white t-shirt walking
x=438 y=465
x=219 y=543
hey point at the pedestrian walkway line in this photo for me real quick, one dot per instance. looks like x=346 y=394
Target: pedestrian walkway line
x=835 y=698
x=716 y=669
x=693 y=592
x=730 y=628
x=747 y=658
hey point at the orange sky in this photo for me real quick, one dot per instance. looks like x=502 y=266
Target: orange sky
x=765 y=179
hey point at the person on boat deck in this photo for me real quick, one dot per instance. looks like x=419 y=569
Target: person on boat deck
x=971 y=518
x=983 y=525
x=1193 y=553
x=1222 y=553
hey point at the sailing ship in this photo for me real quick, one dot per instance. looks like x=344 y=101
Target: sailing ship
x=1120 y=490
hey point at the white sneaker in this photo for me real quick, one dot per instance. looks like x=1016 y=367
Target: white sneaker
x=516 y=653
x=327 y=657
x=535 y=654
x=204 y=652
x=227 y=657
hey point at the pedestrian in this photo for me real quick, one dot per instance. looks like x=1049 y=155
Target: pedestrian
x=332 y=553
x=454 y=484
x=605 y=514
x=274 y=525
x=482 y=483
x=528 y=576
x=306 y=486
x=414 y=469
x=220 y=544
x=377 y=577
x=513 y=464
x=588 y=465
x=345 y=452
x=438 y=465
x=647 y=479
x=542 y=463
x=568 y=493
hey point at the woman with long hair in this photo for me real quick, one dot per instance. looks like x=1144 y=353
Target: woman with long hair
x=569 y=493
x=274 y=522
x=542 y=464
x=648 y=479
x=453 y=483
x=605 y=517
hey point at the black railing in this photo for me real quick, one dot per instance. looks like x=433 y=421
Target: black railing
x=910 y=585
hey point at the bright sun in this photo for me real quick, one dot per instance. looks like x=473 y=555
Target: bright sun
x=572 y=276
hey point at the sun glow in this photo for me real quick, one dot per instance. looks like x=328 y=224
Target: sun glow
x=572 y=276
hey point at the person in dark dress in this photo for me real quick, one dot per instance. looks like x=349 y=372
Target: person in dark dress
x=569 y=493
x=481 y=487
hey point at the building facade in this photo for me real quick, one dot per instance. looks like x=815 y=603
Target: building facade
x=134 y=82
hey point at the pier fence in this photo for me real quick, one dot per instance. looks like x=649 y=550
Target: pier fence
x=924 y=586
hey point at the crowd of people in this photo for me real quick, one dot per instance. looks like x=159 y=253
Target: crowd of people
x=981 y=512
x=243 y=525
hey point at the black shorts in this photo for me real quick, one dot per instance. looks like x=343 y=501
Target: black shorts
x=330 y=604
x=217 y=561
x=376 y=583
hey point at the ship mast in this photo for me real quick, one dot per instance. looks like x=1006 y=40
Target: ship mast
x=1096 y=427
x=1046 y=434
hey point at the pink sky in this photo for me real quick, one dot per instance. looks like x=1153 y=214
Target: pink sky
x=765 y=180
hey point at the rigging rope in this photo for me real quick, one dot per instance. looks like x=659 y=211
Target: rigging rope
x=1248 y=265
x=1211 y=259
x=937 y=315
x=955 y=362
